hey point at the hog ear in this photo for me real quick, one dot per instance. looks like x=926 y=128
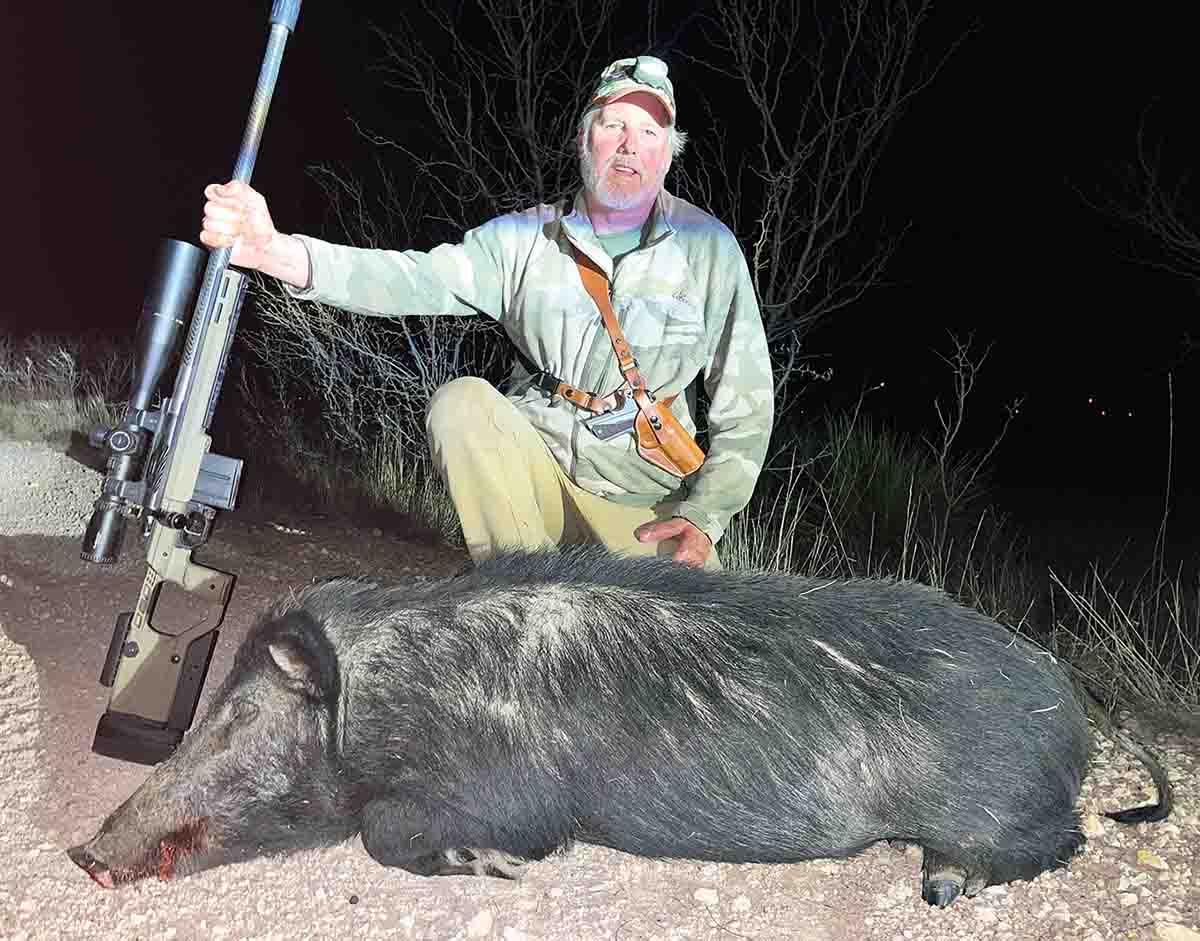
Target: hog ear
x=304 y=655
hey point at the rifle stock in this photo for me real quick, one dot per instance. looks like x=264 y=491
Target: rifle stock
x=161 y=473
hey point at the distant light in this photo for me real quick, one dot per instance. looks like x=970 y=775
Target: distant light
x=1091 y=401
x=1131 y=414
x=1103 y=413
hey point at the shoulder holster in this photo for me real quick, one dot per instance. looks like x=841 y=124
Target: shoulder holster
x=661 y=440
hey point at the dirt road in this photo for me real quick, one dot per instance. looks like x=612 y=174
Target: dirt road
x=56 y=615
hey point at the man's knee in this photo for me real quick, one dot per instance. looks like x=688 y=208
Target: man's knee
x=456 y=404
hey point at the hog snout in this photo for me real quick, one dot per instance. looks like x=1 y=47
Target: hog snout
x=117 y=856
x=82 y=857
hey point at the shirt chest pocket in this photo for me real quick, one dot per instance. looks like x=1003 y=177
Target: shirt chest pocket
x=672 y=323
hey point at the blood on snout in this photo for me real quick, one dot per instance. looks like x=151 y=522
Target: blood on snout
x=162 y=862
x=177 y=846
x=102 y=878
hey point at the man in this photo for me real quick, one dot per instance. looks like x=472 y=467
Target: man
x=523 y=469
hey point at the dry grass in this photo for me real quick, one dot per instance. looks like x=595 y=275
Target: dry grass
x=53 y=386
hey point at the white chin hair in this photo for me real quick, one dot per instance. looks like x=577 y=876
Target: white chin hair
x=618 y=199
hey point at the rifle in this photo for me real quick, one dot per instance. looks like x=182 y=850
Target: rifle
x=161 y=473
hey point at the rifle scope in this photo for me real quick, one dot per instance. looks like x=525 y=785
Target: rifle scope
x=164 y=312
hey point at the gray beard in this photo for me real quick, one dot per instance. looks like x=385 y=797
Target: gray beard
x=612 y=197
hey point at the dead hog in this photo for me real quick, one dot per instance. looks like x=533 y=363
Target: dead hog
x=467 y=725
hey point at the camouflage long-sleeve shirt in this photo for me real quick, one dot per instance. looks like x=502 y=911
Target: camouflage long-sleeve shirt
x=684 y=300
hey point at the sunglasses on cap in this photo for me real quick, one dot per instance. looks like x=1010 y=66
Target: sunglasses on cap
x=645 y=70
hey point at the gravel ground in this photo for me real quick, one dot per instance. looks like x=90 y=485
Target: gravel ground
x=43 y=492
x=55 y=616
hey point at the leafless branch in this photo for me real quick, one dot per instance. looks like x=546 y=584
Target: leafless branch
x=826 y=83
x=1158 y=208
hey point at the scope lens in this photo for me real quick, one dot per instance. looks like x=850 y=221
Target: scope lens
x=105 y=534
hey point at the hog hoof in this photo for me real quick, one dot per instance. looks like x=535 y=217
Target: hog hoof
x=940 y=892
x=943 y=879
x=480 y=862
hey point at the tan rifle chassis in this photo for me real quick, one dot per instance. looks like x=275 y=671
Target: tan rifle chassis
x=150 y=672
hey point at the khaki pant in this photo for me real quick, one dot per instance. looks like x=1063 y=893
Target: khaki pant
x=509 y=490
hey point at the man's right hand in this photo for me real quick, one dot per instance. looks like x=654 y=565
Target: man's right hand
x=236 y=216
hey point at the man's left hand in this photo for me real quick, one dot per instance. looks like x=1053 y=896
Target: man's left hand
x=692 y=547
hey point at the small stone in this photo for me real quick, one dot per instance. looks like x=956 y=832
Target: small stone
x=354 y=900
x=706 y=896
x=1175 y=933
x=986 y=915
x=514 y=934
x=481 y=925
x=1149 y=860
x=1127 y=899
x=741 y=903
x=1093 y=827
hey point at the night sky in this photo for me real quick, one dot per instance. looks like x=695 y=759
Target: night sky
x=115 y=121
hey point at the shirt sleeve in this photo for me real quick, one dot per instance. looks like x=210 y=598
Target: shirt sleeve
x=741 y=412
x=451 y=279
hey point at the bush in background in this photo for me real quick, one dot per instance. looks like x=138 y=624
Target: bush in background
x=51 y=386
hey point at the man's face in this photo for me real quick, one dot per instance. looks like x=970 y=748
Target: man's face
x=626 y=154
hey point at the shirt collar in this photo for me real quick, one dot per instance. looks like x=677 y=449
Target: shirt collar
x=579 y=225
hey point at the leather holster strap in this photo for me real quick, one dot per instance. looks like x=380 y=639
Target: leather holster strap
x=595 y=282
x=598 y=404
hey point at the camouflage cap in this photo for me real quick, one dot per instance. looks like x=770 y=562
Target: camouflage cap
x=640 y=73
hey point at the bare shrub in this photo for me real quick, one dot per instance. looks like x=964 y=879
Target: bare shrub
x=53 y=385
